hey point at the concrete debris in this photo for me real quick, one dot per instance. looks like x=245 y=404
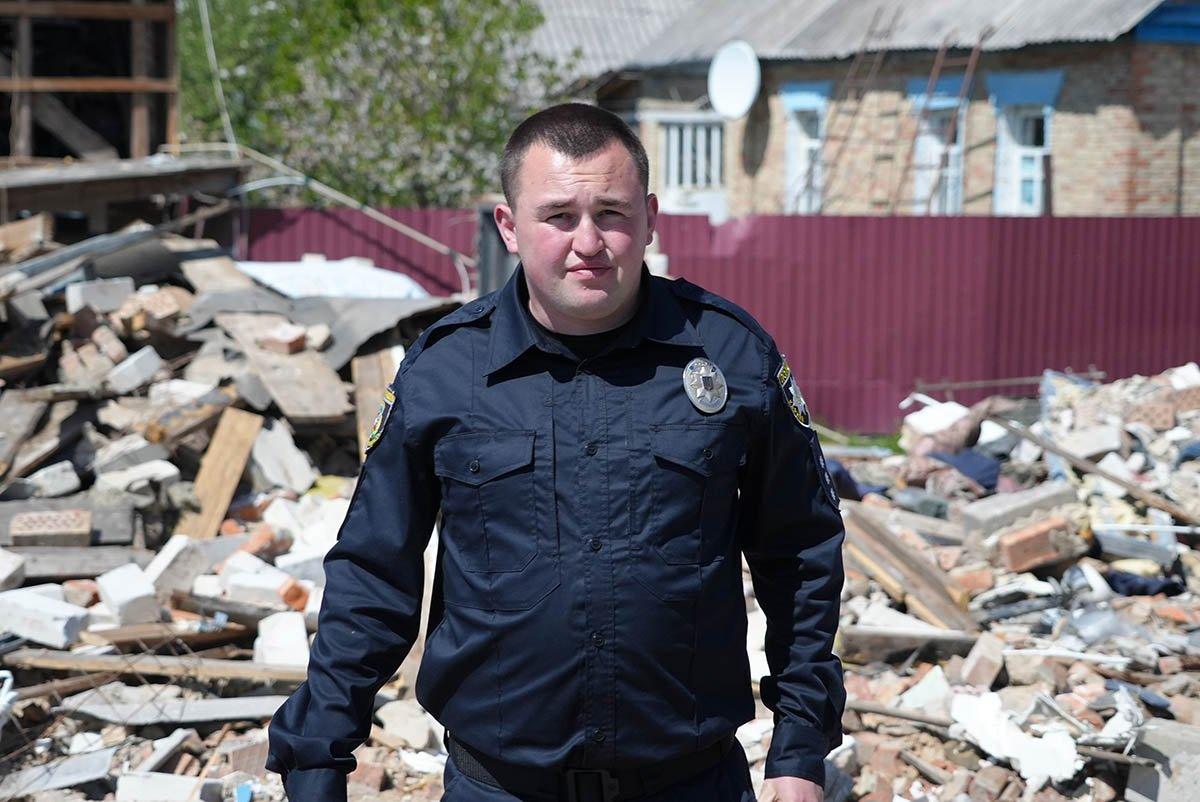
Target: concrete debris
x=188 y=534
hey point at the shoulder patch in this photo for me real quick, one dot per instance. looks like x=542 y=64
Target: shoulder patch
x=686 y=289
x=381 y=418
x=791 y=393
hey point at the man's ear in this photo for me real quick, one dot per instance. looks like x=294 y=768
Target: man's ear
x=651 y=216
x=506 y=223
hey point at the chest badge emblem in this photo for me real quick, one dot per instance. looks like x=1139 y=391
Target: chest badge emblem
x=705 y=385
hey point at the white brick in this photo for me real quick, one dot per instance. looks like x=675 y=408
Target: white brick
x=307 y=565
x=103 y=295
x=177 y=565
x=30 y=614
x=55 y=480
x=151 y=786
x=12 y=570
x=282 y=640
x=129 y=595
x=138 y=477
x=135 y=371
x=130 y=450
x=278 y=461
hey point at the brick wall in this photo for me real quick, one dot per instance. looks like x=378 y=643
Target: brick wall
x=1125 y=136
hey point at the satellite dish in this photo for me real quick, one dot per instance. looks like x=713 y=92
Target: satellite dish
x=734 y=79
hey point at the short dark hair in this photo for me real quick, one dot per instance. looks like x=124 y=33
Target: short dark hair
x=575 y=130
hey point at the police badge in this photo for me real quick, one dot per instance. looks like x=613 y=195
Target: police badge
x=791 y=393
x=381 y=418
x=705 y=385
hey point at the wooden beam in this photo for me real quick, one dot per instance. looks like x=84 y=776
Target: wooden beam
x=1087 y=466
x=19 y=418
x=172 y=57
x=153 y=665
x=371 y=374
x=220 y=471
x=139 y=111
x=72 y=9
x=102 y=84
x=56 y=563
x=21 y=137
x=50 y=113
x=152 y=636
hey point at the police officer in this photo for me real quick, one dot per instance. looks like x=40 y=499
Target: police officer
x=604 y=446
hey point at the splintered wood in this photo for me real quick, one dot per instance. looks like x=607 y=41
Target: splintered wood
x=371 y=374
x=220 y=471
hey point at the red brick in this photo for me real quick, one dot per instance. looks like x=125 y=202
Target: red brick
x=1034 y=545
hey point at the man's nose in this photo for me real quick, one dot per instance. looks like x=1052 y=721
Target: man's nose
x=587 y=238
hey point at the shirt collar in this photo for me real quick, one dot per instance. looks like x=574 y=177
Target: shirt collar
x=659 y=317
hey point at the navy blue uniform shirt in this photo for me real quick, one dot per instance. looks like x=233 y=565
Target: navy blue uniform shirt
x=588 y=608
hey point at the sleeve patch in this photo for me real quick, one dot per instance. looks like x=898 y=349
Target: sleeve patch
x=791 y=393
x=381 y=418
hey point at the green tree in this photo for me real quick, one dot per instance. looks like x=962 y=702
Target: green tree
x=396 y=103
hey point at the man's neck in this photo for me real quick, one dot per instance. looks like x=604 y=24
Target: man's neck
x=560 y=323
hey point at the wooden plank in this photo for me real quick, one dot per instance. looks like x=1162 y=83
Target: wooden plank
x=237 y=611
x=153 y=665
x=371 y=374
x=19 y=417
x=62 y=428
x=22 y=102
x=102 y=85
x=73 y=9
x=139 y=111
x=56 y=563
x=305 y=389
x=207 y=274
x=61 y=688
x=859 y=644
x=172 y=56
x=51 y=114
x=174 y=711
x=35 y=230
x=220 y=471
x=150 y=636
x=924 y=525
x=1087 y=466
x=176 y=423
x=906 y=577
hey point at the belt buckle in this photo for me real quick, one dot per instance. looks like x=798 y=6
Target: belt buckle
x=609 y=786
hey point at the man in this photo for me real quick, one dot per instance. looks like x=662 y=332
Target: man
x=603 y=447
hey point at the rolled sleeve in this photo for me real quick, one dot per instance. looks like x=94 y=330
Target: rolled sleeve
x=369 y=619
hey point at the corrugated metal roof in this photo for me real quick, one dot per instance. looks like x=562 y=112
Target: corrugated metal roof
x=828 y=29
x=607 y=34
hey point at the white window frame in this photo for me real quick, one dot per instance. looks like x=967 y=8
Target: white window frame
x=696 y=185
x=805 y=173
x=1016 y=163
x=948 y=198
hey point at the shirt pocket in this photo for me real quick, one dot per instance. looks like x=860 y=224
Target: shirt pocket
x=488 y=504
x=694 y=480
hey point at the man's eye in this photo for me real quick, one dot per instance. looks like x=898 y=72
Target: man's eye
x=559 y=216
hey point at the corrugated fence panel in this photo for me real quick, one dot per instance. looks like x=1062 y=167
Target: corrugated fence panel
x=866 y=306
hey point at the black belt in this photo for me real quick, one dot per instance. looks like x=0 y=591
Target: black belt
x=586 y=785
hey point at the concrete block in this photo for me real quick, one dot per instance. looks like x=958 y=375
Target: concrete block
x=1043 y=543
x=81 y=592
x=152 y=786
x=265 y=589
x=312 y=608
x=31 y=615
x=109 y=344
x=282 y=640
x=129 y=595
x=1092 y=442
x=1176 y=747
x=130 y=450
x=984 y=661
x=277 y=460
x=102 y=295
x=319 y=336
x=177 y=565
x=55 y=480
x=51 y=528
x=137 y=370
x=996 y=512
x=140 y=479
x=12 y=570
x=101 y=617
x=1031 y=669
x=208 y=585
x=303 y=565
x=406 y=719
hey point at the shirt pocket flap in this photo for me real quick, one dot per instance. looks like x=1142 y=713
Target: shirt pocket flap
x=476 y=458
x=702 y=448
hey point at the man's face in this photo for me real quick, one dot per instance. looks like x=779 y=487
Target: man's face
x=581 y=228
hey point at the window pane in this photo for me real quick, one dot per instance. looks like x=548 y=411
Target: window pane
x=1027 y=191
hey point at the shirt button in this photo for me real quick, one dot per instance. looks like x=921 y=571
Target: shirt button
x=597 y=639
x=707 y=453
x=591 y=449
x=595 y=543
x=598 y=735
x=473 y=466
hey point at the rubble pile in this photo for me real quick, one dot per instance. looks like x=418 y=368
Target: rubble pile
x=1020 y=618
x=179 y=438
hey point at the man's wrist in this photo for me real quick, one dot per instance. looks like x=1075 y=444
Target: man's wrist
x=797 y=750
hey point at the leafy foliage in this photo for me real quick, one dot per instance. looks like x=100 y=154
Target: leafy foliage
x=406 y=102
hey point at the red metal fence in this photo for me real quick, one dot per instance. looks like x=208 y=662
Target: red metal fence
x=865 y=306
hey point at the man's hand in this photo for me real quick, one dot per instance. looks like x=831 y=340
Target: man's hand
x=791 y=789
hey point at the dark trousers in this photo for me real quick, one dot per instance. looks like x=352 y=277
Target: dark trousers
x=728 y=781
